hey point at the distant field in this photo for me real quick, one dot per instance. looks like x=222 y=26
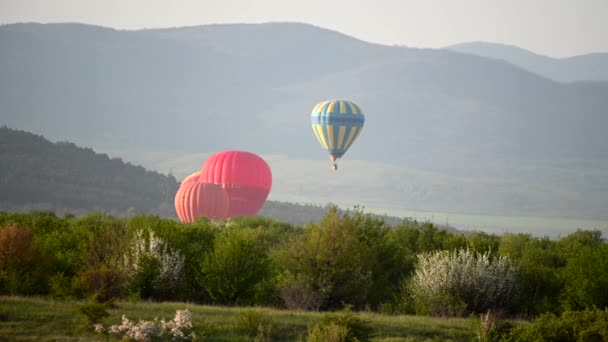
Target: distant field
x=39 y=319
x=537 y=226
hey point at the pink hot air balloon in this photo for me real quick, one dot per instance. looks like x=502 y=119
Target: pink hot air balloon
x=195 y=199
x=244 y=175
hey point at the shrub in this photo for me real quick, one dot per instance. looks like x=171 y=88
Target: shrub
x=104 y=282
x=299 y=293
x=94 y=311
x=334 y=325
x=331 y=332
x=454 y=283
x=255 y=323
x=60 y=286
x=17 y=260
x=588 y=325
x=175 y=329
x=490 y=328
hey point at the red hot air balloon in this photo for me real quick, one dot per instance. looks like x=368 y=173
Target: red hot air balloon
x=244 y=175
x=195 y=199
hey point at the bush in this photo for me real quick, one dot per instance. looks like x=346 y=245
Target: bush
x=331 y=332
x=176 y=329
x=94 y=311
x=103 y=282
x=455 y=283
x=490 y=328
x=18 y=260
x=588 y=325
x=60 y=286
x=343 y=326
x=255 y=323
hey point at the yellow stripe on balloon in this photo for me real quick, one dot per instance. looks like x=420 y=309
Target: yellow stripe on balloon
x=314 y=129
x=359 y=111
x=351 y=137
x=342 y=107
x=330 y=109
x=353 y=109
x=318 y=106
x=323 y=104
x=341 y=133
x=321 y=136
x=330 y=135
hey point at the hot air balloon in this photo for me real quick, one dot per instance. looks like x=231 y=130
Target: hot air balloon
x=336 y=124
x=195 y=199
x=245 y=176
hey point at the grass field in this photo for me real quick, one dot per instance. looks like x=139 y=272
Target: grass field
x=42 y=319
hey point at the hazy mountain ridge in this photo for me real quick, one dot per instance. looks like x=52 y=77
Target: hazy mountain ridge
x=209 y=88
x=588 y=67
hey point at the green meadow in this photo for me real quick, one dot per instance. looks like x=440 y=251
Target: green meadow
x=44 y=319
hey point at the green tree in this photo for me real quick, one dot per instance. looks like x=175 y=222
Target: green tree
x=236 y=265
x=329 y=264
x=539 y=263
x=586 y=279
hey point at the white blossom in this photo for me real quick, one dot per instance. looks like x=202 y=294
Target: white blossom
x=171 y=260
x=480 y=282
x=147 y=330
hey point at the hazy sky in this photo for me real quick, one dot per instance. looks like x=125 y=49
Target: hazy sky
x=556 y=28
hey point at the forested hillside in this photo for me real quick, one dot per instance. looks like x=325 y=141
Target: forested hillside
x=38 y=174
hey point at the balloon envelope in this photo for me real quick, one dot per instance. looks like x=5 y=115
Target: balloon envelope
x=195 y=199
x=245 y=176
x=336 y=124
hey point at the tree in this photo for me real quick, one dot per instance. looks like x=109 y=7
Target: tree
x=236 y=265
x=586 y=279
x=328 y=264
x=459 y=282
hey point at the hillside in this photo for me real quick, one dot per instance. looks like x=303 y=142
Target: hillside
x=590 y=67
x=38 y=174
x=453 y=132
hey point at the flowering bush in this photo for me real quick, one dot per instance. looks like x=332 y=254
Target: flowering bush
x=453 y=283
x=168 y=263
x=175 y=329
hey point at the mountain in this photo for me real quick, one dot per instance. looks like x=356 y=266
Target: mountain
x=589 y=67
x=445 y=131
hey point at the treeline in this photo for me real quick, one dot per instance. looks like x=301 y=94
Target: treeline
x=301 y=214
x=36 y=173
x=343 y=259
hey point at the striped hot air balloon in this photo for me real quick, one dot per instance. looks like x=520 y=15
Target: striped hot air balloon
x=336 y=124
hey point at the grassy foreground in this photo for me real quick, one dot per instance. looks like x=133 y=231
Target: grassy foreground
x=42 y=319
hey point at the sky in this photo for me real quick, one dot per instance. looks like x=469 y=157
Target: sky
x=556 y=28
